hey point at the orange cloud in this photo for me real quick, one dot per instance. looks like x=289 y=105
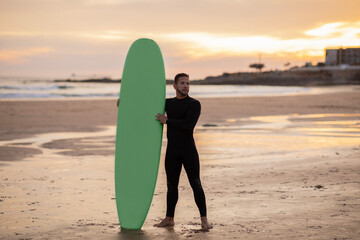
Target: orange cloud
x=19 y=56
x=329 y=35
x=335 y=29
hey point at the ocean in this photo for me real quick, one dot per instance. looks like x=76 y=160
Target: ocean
x=25 y=88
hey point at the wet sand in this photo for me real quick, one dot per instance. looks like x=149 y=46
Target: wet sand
x=271 y=167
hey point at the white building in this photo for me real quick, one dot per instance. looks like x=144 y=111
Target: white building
x=350 y=56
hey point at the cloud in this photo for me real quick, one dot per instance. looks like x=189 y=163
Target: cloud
x=20 y=34
x=113 y=2
x=326 y=30
x=108 y=35
x=20 y=56
x=103 y=2
x=105 y=35
x=335 y=29
x=198 y=44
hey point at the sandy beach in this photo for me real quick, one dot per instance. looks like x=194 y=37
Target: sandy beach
x=279 y=167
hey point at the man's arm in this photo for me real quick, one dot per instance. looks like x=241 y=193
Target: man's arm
x=190 y=119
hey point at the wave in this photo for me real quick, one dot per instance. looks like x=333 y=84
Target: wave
x=31 y=88
x=49 y=95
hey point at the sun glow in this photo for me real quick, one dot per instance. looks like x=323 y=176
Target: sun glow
x=328 y=35
x=326 y=30
x=344 y=29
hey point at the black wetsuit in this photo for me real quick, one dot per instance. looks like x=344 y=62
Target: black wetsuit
x=183 y=115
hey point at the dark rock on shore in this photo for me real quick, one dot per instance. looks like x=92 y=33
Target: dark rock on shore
x=286 y=78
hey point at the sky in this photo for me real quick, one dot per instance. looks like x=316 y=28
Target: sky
x=87 y=38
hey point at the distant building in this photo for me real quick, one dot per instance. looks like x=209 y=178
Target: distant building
x=350 y=56
x=331 y=57
x=308 y=64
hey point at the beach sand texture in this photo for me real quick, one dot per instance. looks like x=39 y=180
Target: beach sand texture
x=272 y=168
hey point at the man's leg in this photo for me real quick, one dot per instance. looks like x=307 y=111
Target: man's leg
x=192 y=168
x=173 y=169
x=173 y=166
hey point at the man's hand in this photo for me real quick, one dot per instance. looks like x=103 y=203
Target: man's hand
x=161 y=118
x=117 y=102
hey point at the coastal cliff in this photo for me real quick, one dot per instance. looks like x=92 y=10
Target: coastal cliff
x=286 y=78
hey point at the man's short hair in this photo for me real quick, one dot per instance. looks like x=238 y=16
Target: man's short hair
x=179 y=75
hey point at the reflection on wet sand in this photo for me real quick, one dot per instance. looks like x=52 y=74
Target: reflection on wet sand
x=278 y=134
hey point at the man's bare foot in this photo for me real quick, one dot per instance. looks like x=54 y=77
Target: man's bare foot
x=167 y=222
x=205 y=225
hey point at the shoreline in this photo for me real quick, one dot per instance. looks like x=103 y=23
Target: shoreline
x=314 y=90
x=24 y=118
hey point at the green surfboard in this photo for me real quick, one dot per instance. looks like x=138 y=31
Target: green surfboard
x=139 y=134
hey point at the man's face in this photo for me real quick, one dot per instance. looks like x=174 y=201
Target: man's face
x=183 y=86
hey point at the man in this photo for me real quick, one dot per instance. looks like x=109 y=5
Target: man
x=182 y=115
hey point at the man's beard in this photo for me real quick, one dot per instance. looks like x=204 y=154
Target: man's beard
x=181 y=93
